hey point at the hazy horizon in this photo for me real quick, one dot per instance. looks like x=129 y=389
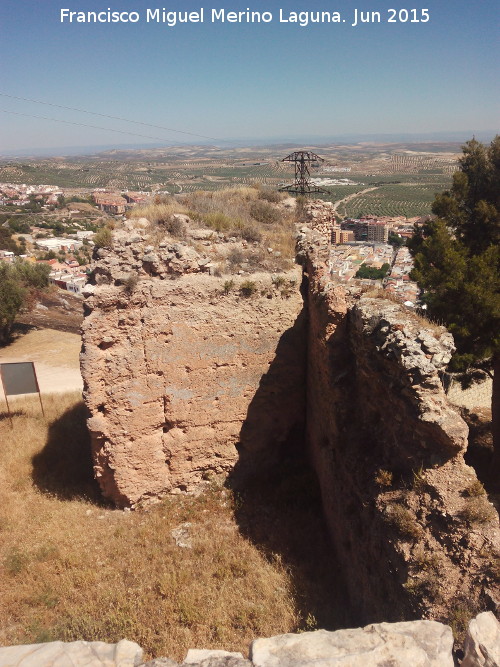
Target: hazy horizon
x=432 y=70
x=269 y=142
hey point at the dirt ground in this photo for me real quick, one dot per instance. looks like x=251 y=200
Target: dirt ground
x=55 y=355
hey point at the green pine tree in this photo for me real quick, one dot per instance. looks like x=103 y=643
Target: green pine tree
x=457 y=264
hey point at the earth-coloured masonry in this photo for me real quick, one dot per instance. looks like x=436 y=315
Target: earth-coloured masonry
x=185 y=373
x=188 y=375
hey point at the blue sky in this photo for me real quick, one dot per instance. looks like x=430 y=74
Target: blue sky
x=257 y=81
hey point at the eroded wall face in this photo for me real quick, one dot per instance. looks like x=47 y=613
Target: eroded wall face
x=388 y=452
x=182 y=380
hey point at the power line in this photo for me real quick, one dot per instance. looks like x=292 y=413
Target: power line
x=95 y=113
x=95 y=127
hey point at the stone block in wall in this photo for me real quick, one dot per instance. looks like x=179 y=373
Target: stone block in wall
x=76 y=654
x=418 y=643
x=482 y=642
x=214 y=658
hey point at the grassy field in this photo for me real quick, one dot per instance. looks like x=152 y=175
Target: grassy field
x=71 y=567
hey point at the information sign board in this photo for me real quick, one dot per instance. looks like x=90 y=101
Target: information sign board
x=19 y=378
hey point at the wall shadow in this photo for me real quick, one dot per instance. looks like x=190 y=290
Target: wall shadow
x=64 y=466
x=480 y=451
x=19 y=329
x=278 y=500
x=275 y=421
x=282 y=515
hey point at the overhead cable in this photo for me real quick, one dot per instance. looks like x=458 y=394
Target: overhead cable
x=103 y=115
x=95 y=127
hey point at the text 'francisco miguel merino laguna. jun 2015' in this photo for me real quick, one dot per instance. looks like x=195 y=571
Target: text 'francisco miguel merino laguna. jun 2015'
x=353 y=17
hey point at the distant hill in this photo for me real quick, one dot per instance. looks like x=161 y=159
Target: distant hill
x=284 y=142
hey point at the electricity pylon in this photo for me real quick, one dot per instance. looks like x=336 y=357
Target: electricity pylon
x=302 y=184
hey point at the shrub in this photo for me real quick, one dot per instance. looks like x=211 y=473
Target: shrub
x=403 y=521
x=174 y=226
x=16 y=561
x=475 y=490
x=250 y=234
x=426 y=560
x=20 y=284
x=235 y=257
x=228 y=286
x=478 y=510
x=271 y=196
x=103 y=238
x=278 y=281
x=459 y=618
x=264 y=212
x=131 y=282
x=218 y=221
x=248 y=288
x=383 y=477
x=194 y=215
x=428 y=584
x=418 y=480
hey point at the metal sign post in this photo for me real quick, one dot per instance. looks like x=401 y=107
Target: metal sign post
x=19 y=378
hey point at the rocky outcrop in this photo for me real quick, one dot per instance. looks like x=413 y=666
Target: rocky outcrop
x=185 y=373
x=411 y=644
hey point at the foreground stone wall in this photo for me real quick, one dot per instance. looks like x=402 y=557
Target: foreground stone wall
x=412 y=644
x=413 y=529
x=182 y=379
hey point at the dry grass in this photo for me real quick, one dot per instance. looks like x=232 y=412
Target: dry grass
x=478 y=510
x=156 y=213
x=73 y=568
x=384 y=477
x=418 y=318
x=246 y=213
x=233 y=211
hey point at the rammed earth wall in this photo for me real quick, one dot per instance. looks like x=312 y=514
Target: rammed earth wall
x=181 y=378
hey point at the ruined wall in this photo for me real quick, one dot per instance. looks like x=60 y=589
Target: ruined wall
x=414 y=532
x=183 y=380
x=180 y=378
